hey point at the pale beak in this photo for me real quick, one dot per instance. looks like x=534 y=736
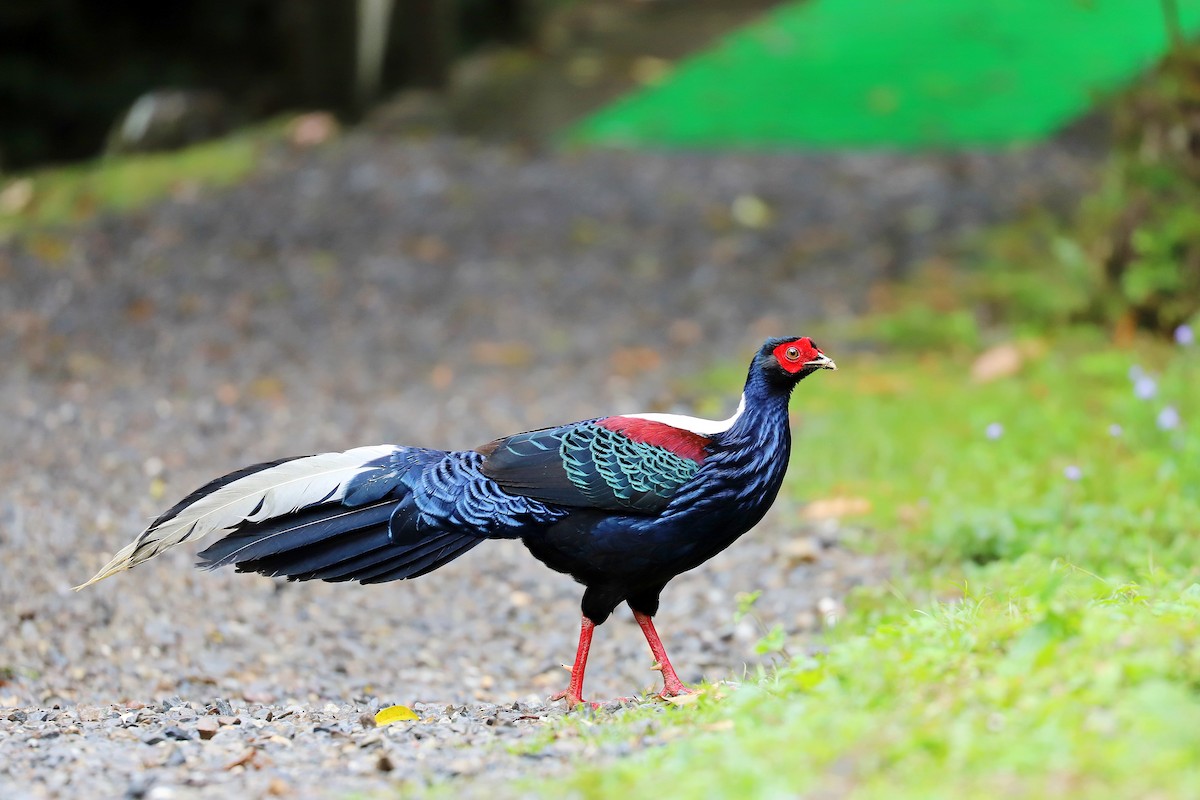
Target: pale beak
x=821 y=362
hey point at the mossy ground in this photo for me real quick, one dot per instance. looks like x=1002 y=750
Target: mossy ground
x=57 y=196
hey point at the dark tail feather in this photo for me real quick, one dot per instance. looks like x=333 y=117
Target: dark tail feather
x=334 y=543
x=310 y=529
x=428 y=563
x=314 y=561
x=370 y=563
x=438 y=551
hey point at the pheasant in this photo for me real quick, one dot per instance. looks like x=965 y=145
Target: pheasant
x=621 y=503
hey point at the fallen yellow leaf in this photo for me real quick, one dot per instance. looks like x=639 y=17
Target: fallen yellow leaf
x=1001 y=361
x=751 y=211
x=502 y=354
x=836 y=508
x=631 y=361
x=386 y=716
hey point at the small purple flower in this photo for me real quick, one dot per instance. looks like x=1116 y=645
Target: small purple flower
x=1115 y=430
x=1072 y=473
x=994 y=431
x=1145 y=387
x=1168 y=419
x=1185 y=336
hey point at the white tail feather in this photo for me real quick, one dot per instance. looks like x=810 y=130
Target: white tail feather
x=277 y=490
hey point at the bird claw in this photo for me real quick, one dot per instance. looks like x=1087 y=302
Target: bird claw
x=574 y=700
x=675 y=690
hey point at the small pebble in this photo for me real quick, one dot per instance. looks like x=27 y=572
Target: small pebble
x=207 y=727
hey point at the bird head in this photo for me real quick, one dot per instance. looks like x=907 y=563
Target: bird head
x=792 y=359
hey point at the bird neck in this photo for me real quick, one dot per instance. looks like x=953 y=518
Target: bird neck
x=762 y=419
x=744 y=468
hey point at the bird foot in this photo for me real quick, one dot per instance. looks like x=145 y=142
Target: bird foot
x=574 y=700
x=675 y=689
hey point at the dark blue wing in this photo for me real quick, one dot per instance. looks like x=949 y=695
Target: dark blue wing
x=588 y=465
x=444 y=491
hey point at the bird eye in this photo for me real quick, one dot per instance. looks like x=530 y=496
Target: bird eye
x=792 y=353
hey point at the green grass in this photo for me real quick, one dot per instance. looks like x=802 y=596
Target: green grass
x=65 y=195
x=892 y=73
x=1044 y=637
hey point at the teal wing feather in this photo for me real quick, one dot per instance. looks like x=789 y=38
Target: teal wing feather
x=587 y=465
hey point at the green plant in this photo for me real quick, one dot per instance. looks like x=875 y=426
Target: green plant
x=1128 y=258
x=774 y=639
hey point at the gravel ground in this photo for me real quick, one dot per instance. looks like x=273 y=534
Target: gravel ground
x=437 y=293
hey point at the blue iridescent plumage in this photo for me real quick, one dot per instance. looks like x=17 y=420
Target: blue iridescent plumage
x=623 y=504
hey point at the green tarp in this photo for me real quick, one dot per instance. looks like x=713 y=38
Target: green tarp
x=895 y=73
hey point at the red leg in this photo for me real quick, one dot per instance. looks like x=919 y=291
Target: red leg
x=574 y=692
x=672 y=686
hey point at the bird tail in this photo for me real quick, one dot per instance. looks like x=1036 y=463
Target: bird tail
x=374 y=543
x=327 y=516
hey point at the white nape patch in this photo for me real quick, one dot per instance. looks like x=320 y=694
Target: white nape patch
x=271 y=492
x=704 y=427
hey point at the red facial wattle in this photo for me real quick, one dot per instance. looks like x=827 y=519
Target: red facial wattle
x=796 y=354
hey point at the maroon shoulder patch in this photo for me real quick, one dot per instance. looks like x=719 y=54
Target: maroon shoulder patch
x=683 y=443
